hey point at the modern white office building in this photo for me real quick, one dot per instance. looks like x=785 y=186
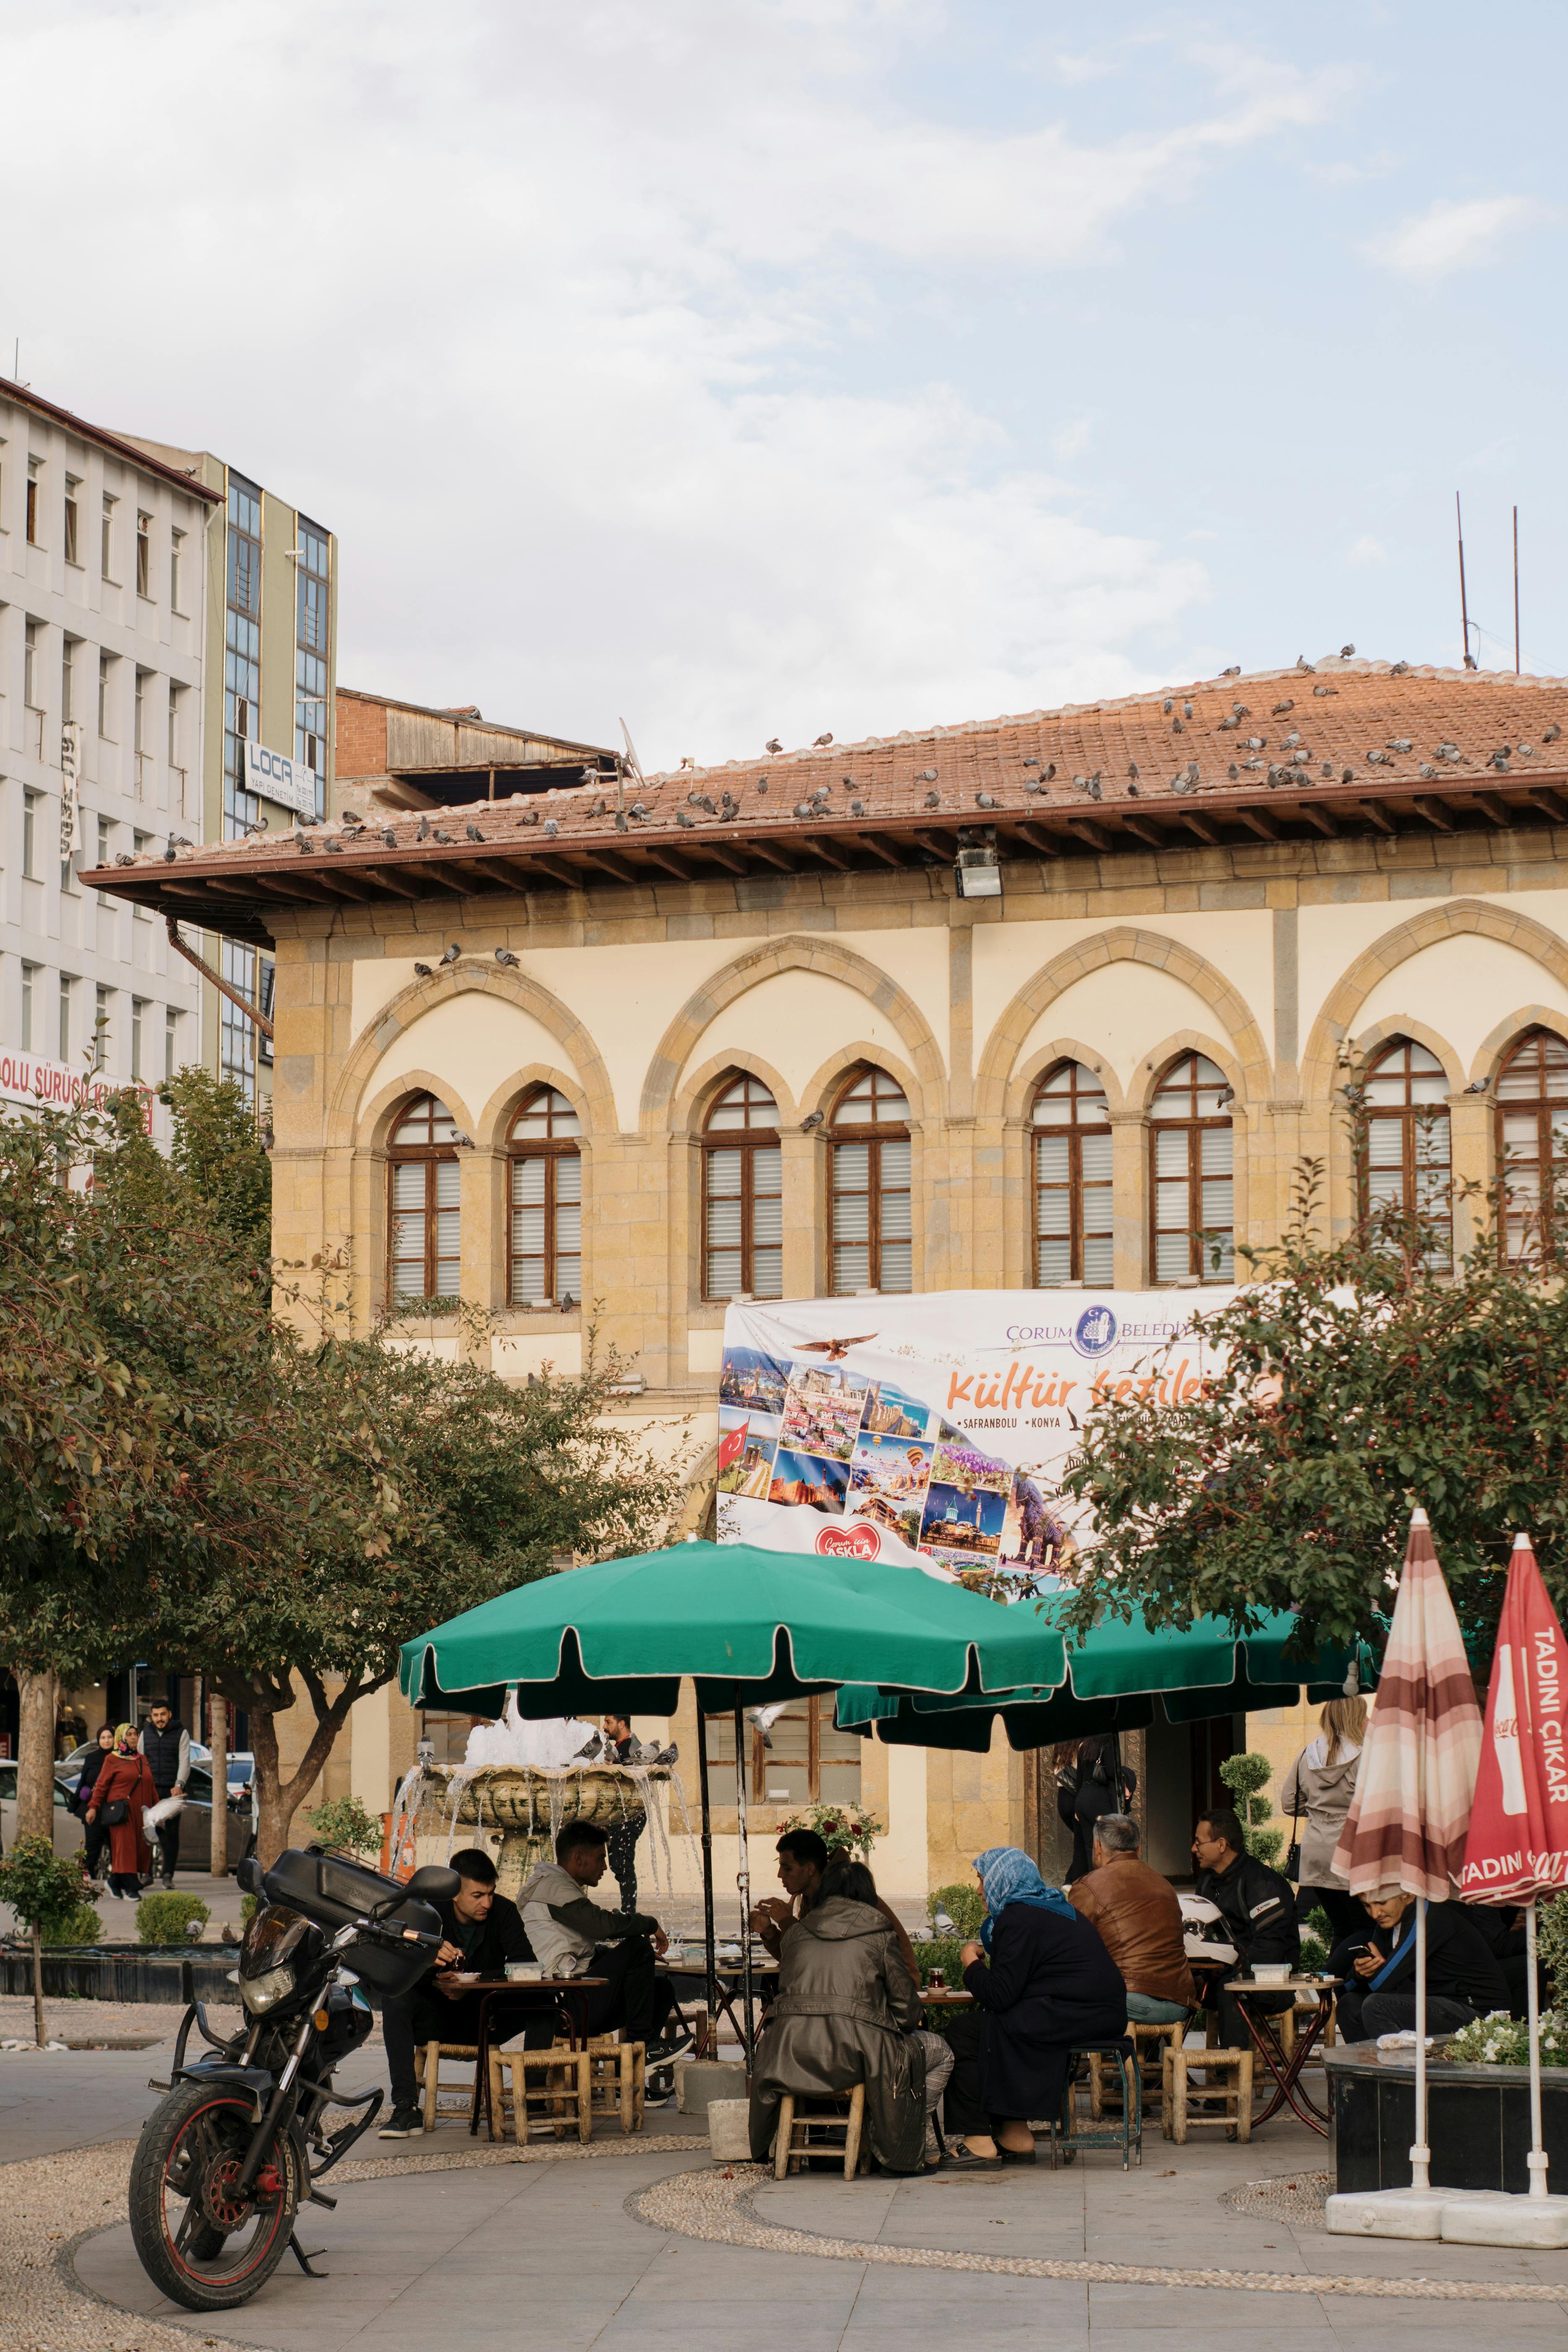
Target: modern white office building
x=104 y=554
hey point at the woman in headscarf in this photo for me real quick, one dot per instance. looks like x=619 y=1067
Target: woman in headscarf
x=1050 y=1982
x=124 y=1782
x=97 y=1835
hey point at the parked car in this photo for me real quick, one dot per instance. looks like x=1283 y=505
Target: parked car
x=68 y=1832
x=241 y=1765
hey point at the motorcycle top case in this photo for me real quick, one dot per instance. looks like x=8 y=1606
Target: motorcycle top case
x=334 y=1893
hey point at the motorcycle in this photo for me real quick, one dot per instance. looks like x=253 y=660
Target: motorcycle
x=239 y=2141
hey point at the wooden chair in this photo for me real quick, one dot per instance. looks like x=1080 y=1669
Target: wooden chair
x=1184 y=2106
x=1150 y=2042
x=617 y=2079
x=427 y=2059
x=560 y=2093
x=810 y=2126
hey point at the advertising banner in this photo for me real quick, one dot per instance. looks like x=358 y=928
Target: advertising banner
x=29 y=1078
x=276 y=777
x=935 y=1428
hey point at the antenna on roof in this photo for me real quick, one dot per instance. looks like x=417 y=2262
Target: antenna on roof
x=633 y=762
x=1516 y=592
x=1463 y=606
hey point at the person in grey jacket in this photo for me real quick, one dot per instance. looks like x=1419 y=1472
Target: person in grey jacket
x=166 y=1745
x=1317 y=1794
x=572 y=1936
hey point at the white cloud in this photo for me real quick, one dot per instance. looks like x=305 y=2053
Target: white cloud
x=1365 y=553
x=1071 y=441
x=1452 y=235
x=538 y=309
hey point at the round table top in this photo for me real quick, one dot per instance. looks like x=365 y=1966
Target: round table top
x=1282 y=1984
x=938 y=1994
x=524 y=1984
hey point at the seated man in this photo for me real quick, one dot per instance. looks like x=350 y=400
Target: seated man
x=1258 y=1915
x=1140 y=1923
x=803 y=1858
x=574 y=1938
x=1464 y=1978
x=480 y=1930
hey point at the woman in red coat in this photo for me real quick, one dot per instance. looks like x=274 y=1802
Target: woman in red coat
x=123 y=1777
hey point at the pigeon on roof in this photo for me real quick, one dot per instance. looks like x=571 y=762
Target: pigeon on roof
x=773 y=744
x=820 y=742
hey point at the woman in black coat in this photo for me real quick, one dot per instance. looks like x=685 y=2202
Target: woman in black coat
x=1088 y=1785
x=97 y=1835
x=1050 y=1983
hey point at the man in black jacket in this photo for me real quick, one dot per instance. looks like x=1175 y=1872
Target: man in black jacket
x=166 y=1745
x=1463 y=1980
x=1257 y=1907
x=480 y=1930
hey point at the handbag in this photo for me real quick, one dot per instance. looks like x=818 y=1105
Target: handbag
x=1291 y=1865
x=115 y=1814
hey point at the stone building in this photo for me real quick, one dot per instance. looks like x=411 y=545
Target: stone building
x=753 y=1029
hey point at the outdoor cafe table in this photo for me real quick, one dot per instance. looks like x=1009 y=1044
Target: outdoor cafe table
x=1285 y=2068
x=566 y=1995
x=728 y=1979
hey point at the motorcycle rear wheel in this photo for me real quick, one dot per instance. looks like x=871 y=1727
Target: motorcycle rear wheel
x=200 y=2242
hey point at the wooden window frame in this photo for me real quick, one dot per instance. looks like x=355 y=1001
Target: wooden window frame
x=757 y=1759
x=1543 y=1108
x=1193 y=1128
x=552 y=1150
x=748 y=1141
x=1409 y=1115
x=1074 y=1130
x=875 y=1133
x=402 y=1155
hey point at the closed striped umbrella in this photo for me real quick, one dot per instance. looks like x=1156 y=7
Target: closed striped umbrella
x=1408 y=1822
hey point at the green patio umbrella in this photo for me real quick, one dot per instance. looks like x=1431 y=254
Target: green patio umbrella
x=1121 y=1676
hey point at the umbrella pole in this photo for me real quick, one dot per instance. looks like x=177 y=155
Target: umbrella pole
x=743 y=1877
x=711 y=1986
x=1537 y=2158
x=1420 y=2155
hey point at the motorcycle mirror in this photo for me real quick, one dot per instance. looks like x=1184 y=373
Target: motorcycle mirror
x=433 y=1884
x=247 y=1875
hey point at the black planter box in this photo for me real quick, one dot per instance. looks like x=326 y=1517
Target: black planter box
x=1478 y=2121
x=150 y=1972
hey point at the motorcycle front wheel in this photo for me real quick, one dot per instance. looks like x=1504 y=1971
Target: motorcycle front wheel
x=199 y=2241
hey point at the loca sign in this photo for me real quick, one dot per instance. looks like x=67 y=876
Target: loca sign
x=935 y=1430
x=278 y=778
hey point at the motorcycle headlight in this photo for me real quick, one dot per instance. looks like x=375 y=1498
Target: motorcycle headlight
x=265 y=1991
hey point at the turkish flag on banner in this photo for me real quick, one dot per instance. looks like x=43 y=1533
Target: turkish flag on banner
x=731 y=1443
x=1518 y=1842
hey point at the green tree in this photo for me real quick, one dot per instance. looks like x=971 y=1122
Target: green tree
x=45 y=1892
x=1247 y=1777
x=216 y=1163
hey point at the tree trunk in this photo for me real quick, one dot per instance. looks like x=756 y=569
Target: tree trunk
x=279 y=1802
x=38 y=1695
x=218 y=1709
x=38 y=1987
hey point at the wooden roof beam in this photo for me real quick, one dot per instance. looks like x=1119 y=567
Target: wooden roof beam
x=388 y=878
x=1041 y=841
x=668 y=860
x=569 y=878
x=1544 y=799
x=828 y=851
x=772 y=854
x=616 y=867
x=1085 y=829
x=732 y=860
x=1433 y=811
x=880 y=849
x=1146 y=830
x=1379 y=815
x=1260 y=820
x=1313 y=815
x=1491 y=806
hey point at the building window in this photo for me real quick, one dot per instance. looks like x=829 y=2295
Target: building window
x=1532 y=1143
x=99 y=1028
x=1192 y=1216
x=170 y=1041
x=140 y=714
x=67 y=680
x=34 y=468
x=236 y=1031
x=313 y=647
x=871 y=1245
x=106 y=550
x=29 y=975
x=64 y=1032
x=73 y=483
x=143 y=554
x=30 y=836
x=242 y=656
x=425 y=1196
x=104 y=697
x=742 y=1195
x=1074 y=1225
x=1407 y=1162
x=138 y=1019
x=802 y=1759
x=545 y=1234
x=176 y=552
x=30 y=666
x=105 y=852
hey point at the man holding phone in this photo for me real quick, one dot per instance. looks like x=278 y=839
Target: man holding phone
x=1464 y=1980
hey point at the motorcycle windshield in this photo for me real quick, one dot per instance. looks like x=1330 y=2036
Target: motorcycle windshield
x=275 y=1935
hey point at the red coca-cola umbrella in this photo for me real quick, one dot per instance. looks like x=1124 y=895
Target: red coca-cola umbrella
x=1517 y=1844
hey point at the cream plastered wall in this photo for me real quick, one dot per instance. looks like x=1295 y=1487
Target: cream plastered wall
x=1122 y=1013
x=1239 y=942
x=1461 y=988
x=1332 y=937
x=470 y=1043
x=795 y=1022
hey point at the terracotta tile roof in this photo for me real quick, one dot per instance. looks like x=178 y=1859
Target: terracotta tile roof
x=1341 y=746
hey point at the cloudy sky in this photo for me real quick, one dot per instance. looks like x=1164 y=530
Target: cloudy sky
x=756 y=366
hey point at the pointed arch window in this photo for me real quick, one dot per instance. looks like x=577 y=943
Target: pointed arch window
x=1408 y=1161
x=1532 y=1144
x=872 y=1226
x=1192 y=1209
x=743 y=1193
x=1074 y=1226
x=544 y=1230
x=424 y=1192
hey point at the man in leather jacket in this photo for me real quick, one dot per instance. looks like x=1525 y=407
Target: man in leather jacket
x=1258 y=1912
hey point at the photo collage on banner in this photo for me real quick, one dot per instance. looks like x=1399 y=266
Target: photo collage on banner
x=942 y=1436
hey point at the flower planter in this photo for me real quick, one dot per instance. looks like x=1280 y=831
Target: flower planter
x=1478 y=2121
x=139 y=1972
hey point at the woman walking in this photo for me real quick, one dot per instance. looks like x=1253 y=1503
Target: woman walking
x=1318 y=1791
x=123 y=1787
x=1089 y=1784
x=97 y=1835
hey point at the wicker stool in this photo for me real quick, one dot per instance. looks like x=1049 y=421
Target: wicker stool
x=813 y=2130
x=427 y=2060
x=1183 y=2106
x=1150 y=2041
x=617 y=2079
x=561 y=2091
